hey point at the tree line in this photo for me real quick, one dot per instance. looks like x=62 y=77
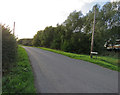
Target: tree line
x=74 y=34
x=26 y=42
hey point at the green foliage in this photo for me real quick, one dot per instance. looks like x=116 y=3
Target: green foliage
x=26 y=42
x=74 y=34
x=9 y=49
x=20 y=79
x=37 y=41
x=48 y=36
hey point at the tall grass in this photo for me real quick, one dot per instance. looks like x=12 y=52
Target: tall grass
x=20 y=79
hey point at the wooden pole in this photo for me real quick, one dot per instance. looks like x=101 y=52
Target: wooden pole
x=14 y=29
x=92 y=40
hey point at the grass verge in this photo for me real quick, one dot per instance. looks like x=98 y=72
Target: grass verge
x=20 y=79
x=104 y=61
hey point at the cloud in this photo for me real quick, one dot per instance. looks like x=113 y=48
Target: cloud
x=114 y=0
x=33 y=15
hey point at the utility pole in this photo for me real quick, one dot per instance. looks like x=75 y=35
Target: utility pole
x=92 y=40
x=14 y=29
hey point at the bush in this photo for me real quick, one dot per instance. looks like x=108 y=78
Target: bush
x=9 y=49
x=26 y=42
x=110 y=53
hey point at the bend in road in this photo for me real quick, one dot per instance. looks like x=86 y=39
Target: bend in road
x=55 y=73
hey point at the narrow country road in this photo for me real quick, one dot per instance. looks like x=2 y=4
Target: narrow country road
x=55 y=73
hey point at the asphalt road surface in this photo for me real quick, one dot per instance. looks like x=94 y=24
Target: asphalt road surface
x=55 y=73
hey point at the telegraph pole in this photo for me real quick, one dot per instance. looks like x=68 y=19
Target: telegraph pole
x=92 y=40
x=14 y=29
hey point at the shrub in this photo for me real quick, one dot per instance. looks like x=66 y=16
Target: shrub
x=9 y=49
x=26 y=42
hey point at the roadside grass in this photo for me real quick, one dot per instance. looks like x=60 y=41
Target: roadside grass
x=104 y=61
x=20 y=79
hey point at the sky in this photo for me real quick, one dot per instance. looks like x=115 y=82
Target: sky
x=31 y=16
